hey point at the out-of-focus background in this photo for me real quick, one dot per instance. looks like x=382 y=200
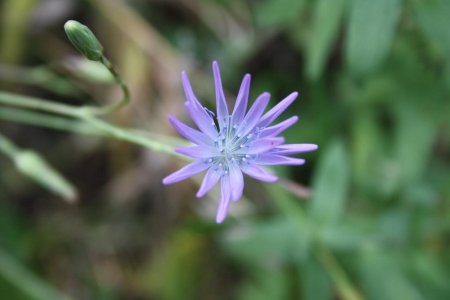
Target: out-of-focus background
x=368 y=216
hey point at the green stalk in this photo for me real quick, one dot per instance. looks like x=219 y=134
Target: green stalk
x=40 y=104
x=47 y=121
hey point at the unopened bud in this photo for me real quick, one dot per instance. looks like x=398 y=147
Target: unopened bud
x=84 y=40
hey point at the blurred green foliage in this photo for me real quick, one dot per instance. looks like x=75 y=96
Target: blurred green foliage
x=374 y=78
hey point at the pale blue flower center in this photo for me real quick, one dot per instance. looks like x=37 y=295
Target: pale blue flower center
x=232 y=146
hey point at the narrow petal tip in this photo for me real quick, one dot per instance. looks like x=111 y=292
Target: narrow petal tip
x=166 y=180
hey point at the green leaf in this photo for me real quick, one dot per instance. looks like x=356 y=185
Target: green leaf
x=331 y=184
x=383 y=277
x=433 y=17
x=316 y=284
x=346 y=236
x=279 y=13
x=413 y=147
x=280 y=239
x=265 y=285
x=371 y=30
x=327 y=17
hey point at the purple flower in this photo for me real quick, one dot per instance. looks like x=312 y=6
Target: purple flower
x=227 y=145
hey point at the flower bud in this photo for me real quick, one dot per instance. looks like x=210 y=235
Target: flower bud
x=84 y=40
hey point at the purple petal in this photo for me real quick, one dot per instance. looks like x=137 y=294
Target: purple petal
x=224 y=200
x=196 y=111
x=221 y=103
x=277 y=110
x=189 y=93
x=279 y=128
x=236 y=182
x=264 y=145
x=241 y=101
x=294 y=148
x=197 y=151
x=258 y=173
x=209 y=181
x=253 y=115
x=275 y=159
x=191 y=134
x=202 y=119
x=186 y=172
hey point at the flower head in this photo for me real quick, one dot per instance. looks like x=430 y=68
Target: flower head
x=230 y=144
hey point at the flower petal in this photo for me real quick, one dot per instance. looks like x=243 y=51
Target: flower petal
x=241 y=101
x=258 y=173
x=221 y=103
x=294 y=148
x=253 y=115
x=186 y=172
x=277 y=110
x=196 y=111
x=263 y=145
x=224 y=200
x=236 y=182
x=279 y=128
x=275 y=159
x=191 y=134
x=209 y=181
x=201 y=151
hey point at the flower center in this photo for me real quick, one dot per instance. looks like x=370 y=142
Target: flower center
x=232 y=146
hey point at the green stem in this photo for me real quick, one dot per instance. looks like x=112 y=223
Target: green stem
x=93 y=126
x=129 y=136
x=123 y=86
x=47 y=121
x=41 y=105
x=345 y=288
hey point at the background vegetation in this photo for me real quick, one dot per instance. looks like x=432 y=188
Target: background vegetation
x=368 y=217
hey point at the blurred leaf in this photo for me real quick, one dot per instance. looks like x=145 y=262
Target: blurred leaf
x=372 y=174
x=371 y=30
x=34 y=166
x=433 y=17
x=327 y=18
x=432 y=276
x=330 y=185
x=279 y=13
x=40 y=76
x=176 y=272
x=13 y=36
x=26 y=282
x=413 y=146
x=316 y=284
x=280 y=239
x=267 y=284
x=383 y=278
x=394 y=225
x=347 y=236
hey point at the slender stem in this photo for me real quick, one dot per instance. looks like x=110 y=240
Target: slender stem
x=345 y=288
x=107 y=109
x=47 y=121
x=65 y=109
x=93 y=126
x=40 y=104
x=128 y=135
